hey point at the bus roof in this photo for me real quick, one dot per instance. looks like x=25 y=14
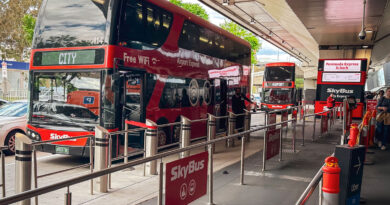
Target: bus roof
x=196 y=19
x=280 y=64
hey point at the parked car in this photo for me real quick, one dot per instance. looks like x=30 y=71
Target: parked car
x=13 y=119
x=2 y=102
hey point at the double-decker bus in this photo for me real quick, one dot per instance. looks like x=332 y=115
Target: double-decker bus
x=101 y=62
x=279 y=89
x=343 y=78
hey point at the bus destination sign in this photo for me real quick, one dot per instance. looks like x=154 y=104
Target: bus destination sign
x=69 y=57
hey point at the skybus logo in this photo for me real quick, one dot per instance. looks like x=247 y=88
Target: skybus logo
x=337 y=91
x=54 y=136
x=178 y=172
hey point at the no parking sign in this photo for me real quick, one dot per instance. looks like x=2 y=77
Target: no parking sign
x=186 y=179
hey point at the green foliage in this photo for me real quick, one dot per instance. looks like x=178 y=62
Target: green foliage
x=28 y=27
x=244 y=34
x=193 y=8
x=299 y=82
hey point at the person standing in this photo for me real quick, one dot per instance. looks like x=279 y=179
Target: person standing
x=330 y=101
x=382 y=132
x=238 y=106
x=379 y=95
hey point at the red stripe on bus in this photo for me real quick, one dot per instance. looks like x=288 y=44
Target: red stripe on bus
x=140 y=124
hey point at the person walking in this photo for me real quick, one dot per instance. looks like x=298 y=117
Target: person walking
x=379 y=95
x=238 y=106
x=382 y=132
x=330 y=101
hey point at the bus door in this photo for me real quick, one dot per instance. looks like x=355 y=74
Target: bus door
x=133 y=108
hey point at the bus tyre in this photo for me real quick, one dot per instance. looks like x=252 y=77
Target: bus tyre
x=10 y=143
x=163 y=136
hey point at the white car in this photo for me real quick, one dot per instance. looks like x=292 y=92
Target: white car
x=13 y=119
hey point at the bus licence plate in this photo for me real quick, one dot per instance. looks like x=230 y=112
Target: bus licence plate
x=62 y=150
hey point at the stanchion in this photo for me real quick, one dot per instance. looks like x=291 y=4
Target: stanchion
x=294 y=131
x=265 y=142
x=151 y=146
x=303 y=130
x=91 y=153
x=101 y=157
x=314 y=128
x=231 y=127
x=161 y=183
x=126 y=145
x=242 y=160
x=3 y=173
x=211 y=128
x=185 y=134
x=330 y=181
x=211 y=148
x=247 y=124
x=344 y=122
x=68 y=197
x=281 y=143
x=23 y=165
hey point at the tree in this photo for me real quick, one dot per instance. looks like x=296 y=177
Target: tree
x=14 y=43
x=28 y=27
x=193 y=8
x=244 y=34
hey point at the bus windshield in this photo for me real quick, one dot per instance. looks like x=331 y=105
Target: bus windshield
x=71 y=23
x=66 y=99
x=277 y=96
x=279 y=73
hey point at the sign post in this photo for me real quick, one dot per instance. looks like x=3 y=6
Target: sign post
x=186 y=179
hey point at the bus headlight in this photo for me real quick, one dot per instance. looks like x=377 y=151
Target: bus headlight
x=33 y=135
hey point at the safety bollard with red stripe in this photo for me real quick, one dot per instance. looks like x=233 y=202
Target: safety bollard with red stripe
x=353 y=133
x=330 y=181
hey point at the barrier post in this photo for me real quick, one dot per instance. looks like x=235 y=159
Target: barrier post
x=161 y=183
x=344 y=113
x=3 y=172
x=295 y=130
x=23 y=165
x=265 y=142
x=242 y=160
x=281 y=143
x=321 y=125
x=211 y=148
x=101 y=157
x=211 y=128
x=231 y=127
x=314 y=128
x=125 y=153
x=330 y=182
x=247 y=124
x=185 y=134
x=68 y=197
x=151 y=146
x=303 y=130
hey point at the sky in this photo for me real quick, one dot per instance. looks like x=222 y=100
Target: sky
x=267 y=53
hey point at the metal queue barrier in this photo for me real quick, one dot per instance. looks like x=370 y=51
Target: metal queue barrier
x=210 y=143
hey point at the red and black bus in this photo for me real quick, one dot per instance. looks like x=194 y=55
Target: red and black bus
x=101 y=62
x=343 y=78
x=279 y=89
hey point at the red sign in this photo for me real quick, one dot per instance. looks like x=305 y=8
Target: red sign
x=186 y=179
x=273 y=143
x=271 y=120
x=284 y=118
x=371 y=105
x=324 y=123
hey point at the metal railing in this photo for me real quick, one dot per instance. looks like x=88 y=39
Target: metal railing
x=3 y=170
x=67 y=183
x=94 y=174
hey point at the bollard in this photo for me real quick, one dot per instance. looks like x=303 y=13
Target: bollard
x=23 y=165
x=126 y=145
x=211 y=129
x=247 y=124
x=185 y=134
x=231 y=127
x=265 y=142
x=303 y=130
x=151 y=146
x=314 y=128
x=101 y=157
x=330 y=181
x=68 y=198
x=242 y=160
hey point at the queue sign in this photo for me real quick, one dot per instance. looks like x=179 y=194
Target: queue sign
x=186 y=179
